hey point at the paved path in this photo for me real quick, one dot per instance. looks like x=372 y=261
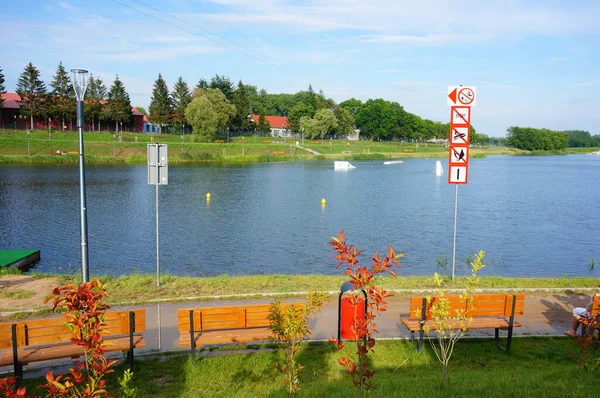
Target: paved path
x=546 y=314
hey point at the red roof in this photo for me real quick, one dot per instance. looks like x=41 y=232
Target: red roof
x=276 y=122
x=11 y=100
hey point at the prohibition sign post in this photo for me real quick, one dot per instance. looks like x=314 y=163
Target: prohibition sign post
x=460 y=99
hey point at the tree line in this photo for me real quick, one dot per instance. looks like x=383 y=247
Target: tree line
x=110 y=105
x=532 y=139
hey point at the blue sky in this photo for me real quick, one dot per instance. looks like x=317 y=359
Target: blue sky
x=534 y=63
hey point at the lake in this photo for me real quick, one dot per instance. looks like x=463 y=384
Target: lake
x=533 y=216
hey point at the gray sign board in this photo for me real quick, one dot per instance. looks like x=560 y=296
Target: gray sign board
x=158 y=167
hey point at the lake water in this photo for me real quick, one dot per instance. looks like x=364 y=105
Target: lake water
x=533 y=216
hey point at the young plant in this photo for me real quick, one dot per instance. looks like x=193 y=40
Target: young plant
x=85 y=308
x=290 y=327
x=451 y=323
x=587 y=357
x=363 y=278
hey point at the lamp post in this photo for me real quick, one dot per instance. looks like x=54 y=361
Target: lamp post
x=79 y=85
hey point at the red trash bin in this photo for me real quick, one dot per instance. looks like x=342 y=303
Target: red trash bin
x=349 y=313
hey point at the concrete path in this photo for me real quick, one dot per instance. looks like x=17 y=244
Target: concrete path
x=546 y=314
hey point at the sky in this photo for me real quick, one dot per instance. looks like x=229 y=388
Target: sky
x=534 y=63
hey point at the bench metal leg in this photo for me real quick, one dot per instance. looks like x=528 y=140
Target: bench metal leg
x=131 y=345
x=422 y=323
x=192 y=342
x=497 y=335
x=17 y=367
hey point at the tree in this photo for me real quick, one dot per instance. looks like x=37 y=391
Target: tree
x=61 y=101
x=118 y=105
x=2 y=90
x=353 y=106
x=208 y=112
x=203 y=84
x=299 y=111
x=96 y=95
x=242 y=105
x=32 y=91
x=376 y=119
x=161 y=106
x=224 y=84
x=345 y=121
x=181 y=99
x=264 y=127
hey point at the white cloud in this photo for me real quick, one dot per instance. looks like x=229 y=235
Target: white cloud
x=66 y=6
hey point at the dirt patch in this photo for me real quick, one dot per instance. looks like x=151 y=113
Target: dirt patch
x=40 y=288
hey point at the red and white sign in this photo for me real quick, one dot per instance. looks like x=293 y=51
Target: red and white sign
x=460 y=115
x=458 y=174
x=459 y=95
x=459 y=135
x=459 y=155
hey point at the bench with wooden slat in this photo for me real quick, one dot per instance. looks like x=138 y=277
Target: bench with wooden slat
x=35 y=340
x=495 y=311
x=220 y=325
x=592 y=319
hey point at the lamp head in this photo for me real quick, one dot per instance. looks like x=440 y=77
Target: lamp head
x=79 y=82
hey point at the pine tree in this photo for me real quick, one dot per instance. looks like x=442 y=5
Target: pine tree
x=32 y=91
x=161 y=105
x=181 y=98
x=61 y=102
x=202 y=84
x=118 y=105
x=101 y=94
x=2 y=91
x=242 y=105
x=224 y=84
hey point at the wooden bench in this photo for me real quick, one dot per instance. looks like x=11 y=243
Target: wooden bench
x=218 y=141
x=36 y=340
x=593 y=319
x=495 y=311
x=219 y=325
x=278 y=152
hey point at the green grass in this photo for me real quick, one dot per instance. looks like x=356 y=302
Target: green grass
x=141 y=289
x=536 y=367
x=16 y=294
x=101 y=147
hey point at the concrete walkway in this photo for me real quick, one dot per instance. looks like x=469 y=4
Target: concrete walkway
x=546 y=314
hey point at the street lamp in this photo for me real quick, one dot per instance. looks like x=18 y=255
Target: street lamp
x=79 y=85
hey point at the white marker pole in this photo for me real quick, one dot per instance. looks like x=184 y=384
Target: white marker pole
x=454 y=245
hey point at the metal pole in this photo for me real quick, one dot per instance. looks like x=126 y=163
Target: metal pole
x=157 y=252
x=82 y=201
x=454 y=245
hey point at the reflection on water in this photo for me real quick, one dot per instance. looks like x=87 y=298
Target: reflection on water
x=534 y=216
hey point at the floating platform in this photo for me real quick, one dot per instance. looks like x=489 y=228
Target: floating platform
x=18 y=258
x=393 y=162
x=342 y=165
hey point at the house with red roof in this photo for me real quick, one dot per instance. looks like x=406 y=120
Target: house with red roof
x=279 y=125
x=12 y=117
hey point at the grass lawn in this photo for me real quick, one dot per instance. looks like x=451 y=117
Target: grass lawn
x=536 y=367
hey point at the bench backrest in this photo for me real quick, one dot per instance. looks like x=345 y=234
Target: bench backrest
x=595 y=306
x=53 y=330
x=223 y=318
x=482 y=305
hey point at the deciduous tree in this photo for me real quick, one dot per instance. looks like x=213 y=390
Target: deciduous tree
x=208 y=112
x=32 y=91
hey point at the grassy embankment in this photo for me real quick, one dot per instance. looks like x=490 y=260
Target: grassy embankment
x=101 y=147
x=140 y=289
x=536 y=367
